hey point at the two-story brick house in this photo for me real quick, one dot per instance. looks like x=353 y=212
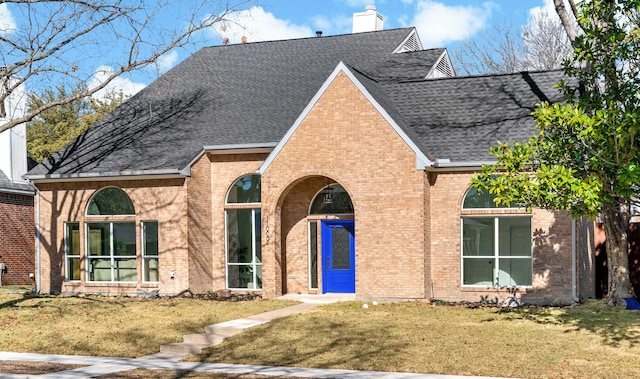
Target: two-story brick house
x=325 y=164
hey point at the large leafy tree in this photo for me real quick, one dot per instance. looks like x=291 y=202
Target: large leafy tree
x=55 y=127
x=586 y=159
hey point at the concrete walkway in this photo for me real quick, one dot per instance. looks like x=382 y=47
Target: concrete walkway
x=169 y=359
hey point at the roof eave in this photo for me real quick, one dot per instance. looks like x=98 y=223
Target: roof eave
x=442 y=165
x=17 y=191
x=107 y=176
x=247 y=148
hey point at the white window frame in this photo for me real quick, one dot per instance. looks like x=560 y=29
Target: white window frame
x=496 y=253
x=111 y=255
x=67 y=256
x=143 y=246
x=313 y=224
x=254 y=264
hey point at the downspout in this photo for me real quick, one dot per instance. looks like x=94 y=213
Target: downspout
x=38 y=268
x=574 y=253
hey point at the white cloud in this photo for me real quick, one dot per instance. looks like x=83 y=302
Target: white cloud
x=7 y=22
x=546 y=9
x=360 y=3
x=127 y=86
x=167 y=61
x=339 y=24
x=439 y=24
x=258 y=25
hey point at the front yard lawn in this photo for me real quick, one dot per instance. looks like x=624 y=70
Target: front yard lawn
x=589 y=340
x=110 y=326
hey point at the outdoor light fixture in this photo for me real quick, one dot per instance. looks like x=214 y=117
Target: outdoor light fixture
x=328 y=195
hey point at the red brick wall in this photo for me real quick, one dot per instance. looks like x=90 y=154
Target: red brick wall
x=17 y=238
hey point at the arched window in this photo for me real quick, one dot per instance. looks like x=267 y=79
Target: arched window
x=332 y=199
x=111 y=245
x=474 y=199
x=245 y=190
x=243 y=221
x=496 y=246
x=110 y=201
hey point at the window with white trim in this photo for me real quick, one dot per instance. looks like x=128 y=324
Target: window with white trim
x=496 y=246
x=111 y=242
x=111 y=251
x=150 y=255
x=72 y=250
x=243 y=231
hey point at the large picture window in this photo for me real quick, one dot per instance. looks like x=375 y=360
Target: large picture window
x=243 y=234
x=111 y=252
x=496 y=248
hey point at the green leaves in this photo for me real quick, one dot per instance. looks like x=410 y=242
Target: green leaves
x=586 y=155
x=56 y=127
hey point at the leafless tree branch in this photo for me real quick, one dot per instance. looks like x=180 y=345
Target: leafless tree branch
x=58 y=41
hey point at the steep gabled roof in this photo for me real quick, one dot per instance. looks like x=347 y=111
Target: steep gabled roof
x=251 y=96
x=460 y=118
x=227 y=95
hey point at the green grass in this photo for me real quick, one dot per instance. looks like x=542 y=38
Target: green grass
x=589 y=340
x=584 y=341
x=110 y=326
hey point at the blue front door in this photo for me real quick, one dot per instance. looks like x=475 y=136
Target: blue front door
x=338 y=256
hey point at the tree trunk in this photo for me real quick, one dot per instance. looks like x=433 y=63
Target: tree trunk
x=565 y=18
x=616 y=230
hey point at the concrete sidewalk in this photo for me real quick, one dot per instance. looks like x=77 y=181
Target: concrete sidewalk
x=97 y=366
x=169 y=359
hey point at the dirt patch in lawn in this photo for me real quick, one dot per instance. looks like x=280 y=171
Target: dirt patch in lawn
x=34 y=368
x=172 y=374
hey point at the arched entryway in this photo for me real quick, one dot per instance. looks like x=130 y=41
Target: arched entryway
x=318 y=238
x=332 y=209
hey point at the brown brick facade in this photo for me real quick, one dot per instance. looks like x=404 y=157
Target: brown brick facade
x=17 y=238
x=163 y=201
x=407 y=220
x=344 y=139
x=551 y=247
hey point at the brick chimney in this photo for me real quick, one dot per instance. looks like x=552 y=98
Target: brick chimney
x=368 y=21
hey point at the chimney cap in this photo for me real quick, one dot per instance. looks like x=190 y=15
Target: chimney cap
x=370 y=8
x=318 y=33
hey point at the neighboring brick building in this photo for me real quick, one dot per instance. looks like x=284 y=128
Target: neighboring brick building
x=331 y=164
x=17 y=229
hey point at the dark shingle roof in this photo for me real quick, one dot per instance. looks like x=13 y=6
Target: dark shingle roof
x=253 y=93
x=461 y=118
x=8 y=185
x=237 y=94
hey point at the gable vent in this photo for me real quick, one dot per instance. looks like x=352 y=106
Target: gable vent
x=445 y=68
x=442 y=68
x=411 y=44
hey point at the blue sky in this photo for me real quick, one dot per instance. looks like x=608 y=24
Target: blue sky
x=440 y=23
